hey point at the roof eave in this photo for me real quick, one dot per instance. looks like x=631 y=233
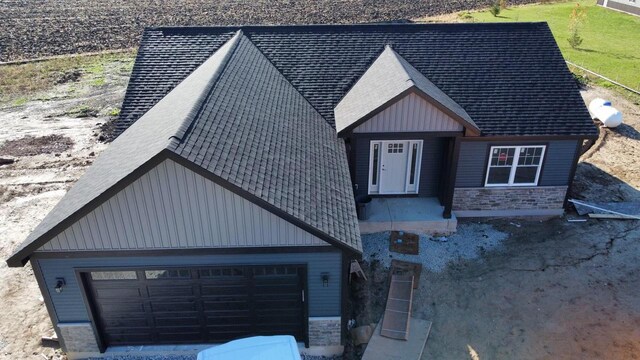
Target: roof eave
x=21 y=256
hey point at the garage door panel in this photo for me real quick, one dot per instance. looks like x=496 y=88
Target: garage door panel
x=230 y=289
x=130 y=321
x=170 y=290
x=277 y=289
x=180 y=337
x=195 y=305
x=277 y=317
x=120 y=307
x=177 y=320
x=118 y=293
x=275 y=308
x=229 y=319
x=132 y=339
x=162 y=306
x=225 y=305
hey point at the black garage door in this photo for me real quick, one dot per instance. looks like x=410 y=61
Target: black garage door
x=198 y=304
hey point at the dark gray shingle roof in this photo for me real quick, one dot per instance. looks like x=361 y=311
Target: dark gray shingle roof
x=258 y=133
x=509 y=78
x=239 y=119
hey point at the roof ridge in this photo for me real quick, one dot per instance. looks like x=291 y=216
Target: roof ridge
x=404 y=26
x=287 y=79
x=408 y=68
x=201 y=100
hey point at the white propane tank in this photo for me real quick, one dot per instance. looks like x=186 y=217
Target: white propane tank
x=596 y=104
x=602 y=110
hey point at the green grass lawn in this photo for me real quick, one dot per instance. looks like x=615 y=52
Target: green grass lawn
x=19 y=83
x=611 y=45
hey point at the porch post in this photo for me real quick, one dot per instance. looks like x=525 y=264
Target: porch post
x=451 y=178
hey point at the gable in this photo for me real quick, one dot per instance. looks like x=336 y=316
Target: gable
x=172 y=207
x=411 y=113
x=388 y=79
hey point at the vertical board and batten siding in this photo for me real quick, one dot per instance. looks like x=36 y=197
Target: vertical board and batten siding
x=172 y=207
x=433 y=149
x=556 y=168
x=69 y=305
x=410 y=114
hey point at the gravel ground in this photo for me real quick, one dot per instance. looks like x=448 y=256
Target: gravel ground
x=469 y=242
x=193 y=357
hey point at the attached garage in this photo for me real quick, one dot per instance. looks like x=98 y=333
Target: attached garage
x=197 y=304
x=212 y=218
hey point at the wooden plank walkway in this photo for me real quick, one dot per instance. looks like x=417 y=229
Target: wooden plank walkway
x=395 y=323
x=382 y=348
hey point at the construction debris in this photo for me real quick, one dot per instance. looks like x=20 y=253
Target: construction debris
x=399 y=267
x=404 y=242
x=362 y=334
x=617 y=210
x=6 y=161
x=355 y=268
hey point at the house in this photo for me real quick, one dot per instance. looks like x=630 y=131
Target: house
x=225 y=207
x=628 y=6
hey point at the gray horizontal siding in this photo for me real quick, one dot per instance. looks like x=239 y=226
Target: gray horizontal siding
x=433 y=149
x=624 y=5
x=556 y=168
x=69 y=305
x=172 y=207
x=410 y=114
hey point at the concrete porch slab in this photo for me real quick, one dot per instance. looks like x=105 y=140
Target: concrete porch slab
x=382 y=348
x=420 y=215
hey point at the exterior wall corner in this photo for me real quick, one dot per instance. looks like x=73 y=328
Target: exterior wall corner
x=79 y=337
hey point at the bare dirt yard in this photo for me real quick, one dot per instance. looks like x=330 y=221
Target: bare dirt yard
x=501 y=289
x=36 y=28
x=52 y=136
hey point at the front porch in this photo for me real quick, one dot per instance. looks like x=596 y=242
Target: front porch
x=415 y=214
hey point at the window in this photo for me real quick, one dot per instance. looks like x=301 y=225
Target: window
x=167 y=274
x=414 y=159
x=395 y=148
x=376 y=155
x=514 y=165
x=220 y=272
x=113 y=275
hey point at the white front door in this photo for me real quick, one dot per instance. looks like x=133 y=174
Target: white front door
x=393 y=167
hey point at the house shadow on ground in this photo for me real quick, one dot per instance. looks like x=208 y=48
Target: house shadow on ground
x=627 y=131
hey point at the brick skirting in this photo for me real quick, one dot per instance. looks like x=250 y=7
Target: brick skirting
x=324 y=331
x=78 y=338
x=509 y=198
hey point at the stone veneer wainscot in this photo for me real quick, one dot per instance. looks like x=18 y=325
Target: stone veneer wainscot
x=509 y=198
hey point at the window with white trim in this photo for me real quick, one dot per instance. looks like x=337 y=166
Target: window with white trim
x=514 y=165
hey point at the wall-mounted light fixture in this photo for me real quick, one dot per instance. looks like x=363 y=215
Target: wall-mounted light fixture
x=325 y=279
x=60 y=284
